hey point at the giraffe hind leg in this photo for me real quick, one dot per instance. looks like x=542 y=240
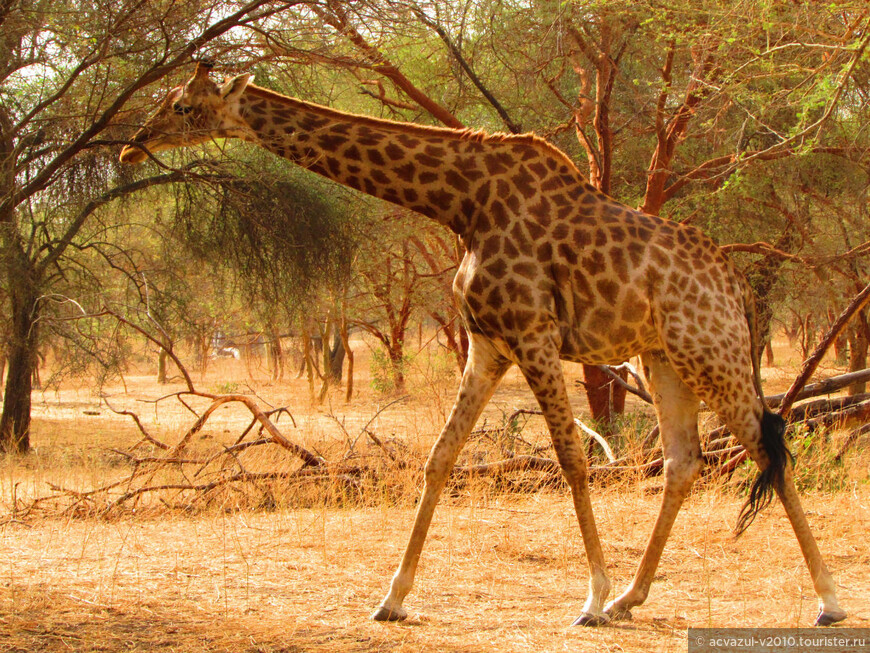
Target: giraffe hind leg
x=762 y=434
x=783 y=484
x=677 y=411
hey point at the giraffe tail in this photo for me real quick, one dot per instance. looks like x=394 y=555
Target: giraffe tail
x=772 y=477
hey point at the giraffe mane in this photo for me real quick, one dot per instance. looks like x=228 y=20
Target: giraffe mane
x=467 y=134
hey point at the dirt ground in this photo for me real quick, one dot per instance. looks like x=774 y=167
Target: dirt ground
x=498 y=573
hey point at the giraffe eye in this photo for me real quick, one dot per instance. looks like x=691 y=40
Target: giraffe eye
x=180 y=109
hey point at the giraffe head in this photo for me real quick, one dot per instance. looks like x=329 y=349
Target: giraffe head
x=196 y=112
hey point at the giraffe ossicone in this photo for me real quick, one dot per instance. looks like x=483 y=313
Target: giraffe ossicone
x=553 y=270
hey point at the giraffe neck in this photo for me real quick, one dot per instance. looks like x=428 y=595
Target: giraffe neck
x=447 y=175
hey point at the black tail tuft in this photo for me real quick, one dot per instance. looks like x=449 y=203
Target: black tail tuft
x=772 y=477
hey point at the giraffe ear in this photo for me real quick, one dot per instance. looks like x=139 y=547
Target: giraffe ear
x=233 y=88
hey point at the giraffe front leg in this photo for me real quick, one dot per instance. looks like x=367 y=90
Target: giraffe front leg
x=543 y=372
x=483 y=371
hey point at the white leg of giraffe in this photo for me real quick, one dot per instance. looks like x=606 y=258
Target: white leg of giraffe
x=483 y=370
x=543 y=372
x=677 y=410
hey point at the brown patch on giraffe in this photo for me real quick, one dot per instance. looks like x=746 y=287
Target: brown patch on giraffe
x=541 y=211
x=352 y=153
x=456 y=180
x=524 y=152
x=375 y=157
x=568 y=253
x=636 y=252
x=526 y=269
x=427 y=161
x=538 y=169
x=331 y=142
x=525 y=183
x=634 y=308
x=499 y=214
x=408 y=142
x=607 y=289
x=394 y=152
x=582 y=238
x=495 y=298
x=368 y=137
x=468 y=167
x=586 y=198
x=497 y=269
x=439 y=198
x=600 y=238
x=380 y=177
x=618 y=264
x=406 y=172
x=497 y=163
x=426 y=178
x=552 y=184
x=333 y=165
x=593 y=262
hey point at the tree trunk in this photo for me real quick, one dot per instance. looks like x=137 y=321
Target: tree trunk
x=768 y=353
x=345 y=341
x=275 y=353
x=15 y=418
x=162 y=359
x=397 y=362
x=606 y=398
x=308 y=364
x=336 y=357
x=858 y=352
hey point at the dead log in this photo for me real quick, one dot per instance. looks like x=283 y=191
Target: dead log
x=824 y=387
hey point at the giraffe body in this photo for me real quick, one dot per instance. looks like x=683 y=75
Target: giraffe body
x=553 y=269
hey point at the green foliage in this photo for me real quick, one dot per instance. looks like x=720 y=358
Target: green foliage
x=629 y=430
x=816 y=466
x=285 y=232
x=227 y=388
x=387 y=374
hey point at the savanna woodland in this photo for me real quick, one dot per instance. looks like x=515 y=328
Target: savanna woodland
x=222 y=373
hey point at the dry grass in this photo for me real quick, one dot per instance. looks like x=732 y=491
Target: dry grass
x=499 y=572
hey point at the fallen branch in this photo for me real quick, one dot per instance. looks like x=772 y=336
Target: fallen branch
x=613 y=373
x=847 y=417
x=824 y=387
x=141 y=428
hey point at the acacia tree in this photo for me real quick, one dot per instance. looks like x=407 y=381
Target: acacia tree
x=69 y=75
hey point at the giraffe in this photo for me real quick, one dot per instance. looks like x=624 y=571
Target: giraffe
x=553 y=270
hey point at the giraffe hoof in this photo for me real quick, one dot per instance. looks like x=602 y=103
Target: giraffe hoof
x=829 y=618
x=618 y=614
x=383 y=613
x=591 y=620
